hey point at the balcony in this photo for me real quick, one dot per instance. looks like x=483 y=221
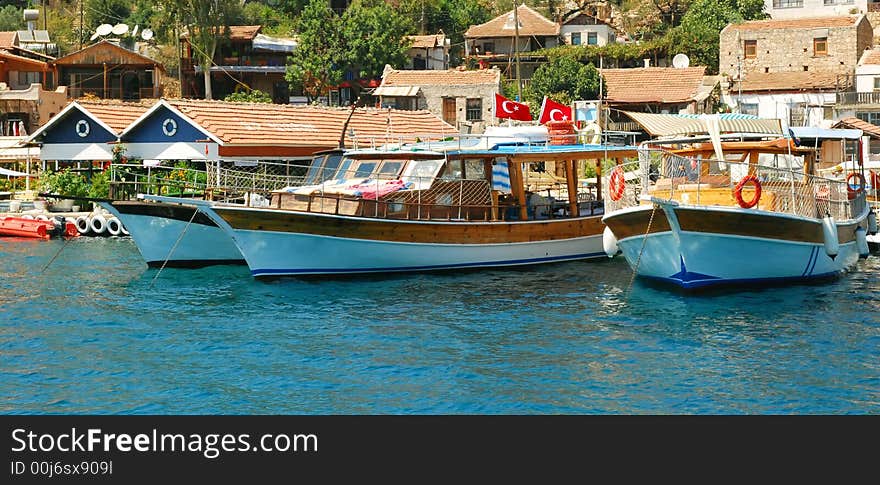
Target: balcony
x=854 y=99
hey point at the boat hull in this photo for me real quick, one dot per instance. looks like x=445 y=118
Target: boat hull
x=162 y=237
x=693 y=248
x=277 y=243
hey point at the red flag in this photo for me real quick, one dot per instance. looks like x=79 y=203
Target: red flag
x=553 y=111
x=505 y=108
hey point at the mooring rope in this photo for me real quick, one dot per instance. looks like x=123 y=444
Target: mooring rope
x=70 y=238
x=171 y=251
x=642 y=250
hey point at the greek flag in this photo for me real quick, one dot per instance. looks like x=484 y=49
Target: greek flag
x=500 y=177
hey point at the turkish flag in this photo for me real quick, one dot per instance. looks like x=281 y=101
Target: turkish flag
x=505 y=108
x=553 y=111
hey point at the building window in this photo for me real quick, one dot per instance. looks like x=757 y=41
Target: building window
x=488 y=47
x=28 y=78
x=839 y=2
x=877 y=84
x=575 y=38
x=748 y=108
x=788 y=3
x=820 y=46
x=750 y=49
x=474 y=110
x=870 y=117
x=797 y=114
x=592 y=38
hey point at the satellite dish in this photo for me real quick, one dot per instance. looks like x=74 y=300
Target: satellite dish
x=134 y=31
x=104 y=29
x=681 y=61
x=146 y=34
x=94 y=36
x=120 y=29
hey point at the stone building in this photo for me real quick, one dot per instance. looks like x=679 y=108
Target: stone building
x=462 y=98
x=791 y=69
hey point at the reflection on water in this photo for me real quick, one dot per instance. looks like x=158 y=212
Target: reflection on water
x=95 y=333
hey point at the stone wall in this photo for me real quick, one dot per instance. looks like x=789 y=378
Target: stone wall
x=792 y=49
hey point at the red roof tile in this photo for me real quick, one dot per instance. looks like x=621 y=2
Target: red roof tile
x=804 y=23
x=855 y=123
x=116 y=114
x=653 y=84
x=7 y=39
x=871 y=56
x=428 y=41
x=789 y=81
x=450 y=77
x=237 y=32
x=307 y=126
x=531 y=23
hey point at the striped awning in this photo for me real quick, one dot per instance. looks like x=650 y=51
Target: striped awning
x=396 y=91
x=669 y=125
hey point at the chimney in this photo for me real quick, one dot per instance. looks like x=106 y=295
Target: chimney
x=31 y=16
x=647 y=62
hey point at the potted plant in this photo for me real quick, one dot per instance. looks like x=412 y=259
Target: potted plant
x=64 y=182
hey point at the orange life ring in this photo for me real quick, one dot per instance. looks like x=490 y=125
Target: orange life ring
x=851 y=191
x=617 y=184
x=737 y=191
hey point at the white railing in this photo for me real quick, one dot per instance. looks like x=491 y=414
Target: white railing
x=703 y=182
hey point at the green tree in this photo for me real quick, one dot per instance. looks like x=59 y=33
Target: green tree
x=252 y=96
x=563 y=79
x=698 y=34
x=374 y=35
x=208 y=24
x=11 y=18
x=320 y=58
x=97 y=12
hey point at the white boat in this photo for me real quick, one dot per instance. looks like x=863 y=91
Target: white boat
x=696 y=222
x=428 y=207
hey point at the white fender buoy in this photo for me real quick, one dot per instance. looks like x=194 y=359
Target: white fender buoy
x=609 y=242
x=42 y=217
x=123 y=229
x=82 y=225
x=27 y=216
x=829 y=234
x=862 y=242
x=872 y=222
x=114 y=227
x=98 y=224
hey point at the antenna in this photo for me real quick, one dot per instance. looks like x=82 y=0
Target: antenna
x=146 y=34
x=120 y=29
x=681 y=61
x=104 y=29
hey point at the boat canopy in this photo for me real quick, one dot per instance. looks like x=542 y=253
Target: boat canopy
x=825 y=133
x=676 y=125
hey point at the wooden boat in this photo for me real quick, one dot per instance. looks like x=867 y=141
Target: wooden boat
x=694 y=220
x=433 y=206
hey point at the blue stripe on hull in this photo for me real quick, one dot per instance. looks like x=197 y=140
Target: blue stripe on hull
x=712 y=283
x=514 y=262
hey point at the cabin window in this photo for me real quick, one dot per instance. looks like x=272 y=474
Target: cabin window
x=452 y=170
x=820 y=46
x=575 y=38
x=364 y=169
x=314 y=170
x=750 y=49
x=330 y=166
x=474 y=170
x=592 y=38
x=342 y=172
x=390 y=168
x=474 y=110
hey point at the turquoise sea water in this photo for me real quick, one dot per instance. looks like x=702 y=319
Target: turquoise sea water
x=98 y=333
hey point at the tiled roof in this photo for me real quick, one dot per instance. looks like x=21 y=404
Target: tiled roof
x=40 y=65
x=450 y=77
x=653 y=84
x=309 y=126
x=855 y=123
x=530 y=23
x=789 y=81
x=7 y=39
x=870 y=56
x=804 y=23
x=428 y=41
x=116 y=114
x=237 y=32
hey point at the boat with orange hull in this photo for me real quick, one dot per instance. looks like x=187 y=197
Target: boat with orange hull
x=35 y=228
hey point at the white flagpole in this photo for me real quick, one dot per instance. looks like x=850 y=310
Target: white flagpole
x=541 y=113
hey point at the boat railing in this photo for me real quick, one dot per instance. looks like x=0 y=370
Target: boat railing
x=425 y=198
x=784 y=187
x=226 y=181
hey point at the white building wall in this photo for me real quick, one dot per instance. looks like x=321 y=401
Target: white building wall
x=865 y=76
x=816 y=105
x=780 y=9
x=604 y=34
